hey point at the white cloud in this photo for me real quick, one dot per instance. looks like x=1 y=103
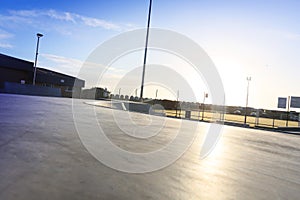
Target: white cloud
x=61 y=59
x=73 y=66
x=29 y=15
x=93 y=22
x=4 y=36
x=5 y=45
x=24 y=13
x=65 y=16
x=62 y=64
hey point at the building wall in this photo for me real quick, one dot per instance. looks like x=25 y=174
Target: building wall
x=13 y=70
x=15 y=63
x=12 y=75
x=27 y=89
x=95 y=93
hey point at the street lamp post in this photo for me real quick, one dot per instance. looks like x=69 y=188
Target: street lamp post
x=247 y=97
x=156 y=96
x=288 y=111
x=177 y=102
x=39 y=35
x=203 y=105
x=145 y=54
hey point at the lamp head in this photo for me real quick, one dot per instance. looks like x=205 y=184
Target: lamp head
x=39 y=35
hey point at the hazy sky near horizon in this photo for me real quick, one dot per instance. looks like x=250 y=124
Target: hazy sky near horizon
x=255 y=38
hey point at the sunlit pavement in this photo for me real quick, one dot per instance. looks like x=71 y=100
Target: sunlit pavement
x=42 y=157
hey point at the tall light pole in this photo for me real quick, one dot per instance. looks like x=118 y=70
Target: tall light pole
x=247 y=97
x=39 y=35
x=156 y=96
x=177 y=98
x=145 y=55
x=203 y=105
x=288 y=111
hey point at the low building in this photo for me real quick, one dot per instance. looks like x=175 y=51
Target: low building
x=95 y=93
x=16 y=76
x=68 y=85
x=15 y=70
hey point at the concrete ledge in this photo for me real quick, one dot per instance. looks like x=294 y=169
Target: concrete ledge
x=236 y=124
x=123 y=105
x=294 y=129
x=138 y=107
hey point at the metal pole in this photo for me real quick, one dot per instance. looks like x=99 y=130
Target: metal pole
x=199 y=112
x=145 y=55
x=203 y=106
x=177 y=101
x=36 y=56
x=156 y=96
x=247 y=97
x=273 y=120
x=288 y=112
x=224 y=109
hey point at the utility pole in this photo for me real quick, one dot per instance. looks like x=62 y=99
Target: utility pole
x=203 y=105
x=39 y=35
x=247 y=97
x=288 y=112
x=145 y=55
x=177 y=101
x=156 y=96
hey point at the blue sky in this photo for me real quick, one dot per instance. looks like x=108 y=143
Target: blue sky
x=256 y=38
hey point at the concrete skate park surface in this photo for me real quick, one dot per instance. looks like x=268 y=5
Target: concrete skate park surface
x=42 y=157
x=122 y=105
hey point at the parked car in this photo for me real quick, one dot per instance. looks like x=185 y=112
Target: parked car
x=294 y=117
x=253 y=114
x=237 y=112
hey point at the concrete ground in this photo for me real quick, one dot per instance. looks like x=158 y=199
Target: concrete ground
x=42 y=157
